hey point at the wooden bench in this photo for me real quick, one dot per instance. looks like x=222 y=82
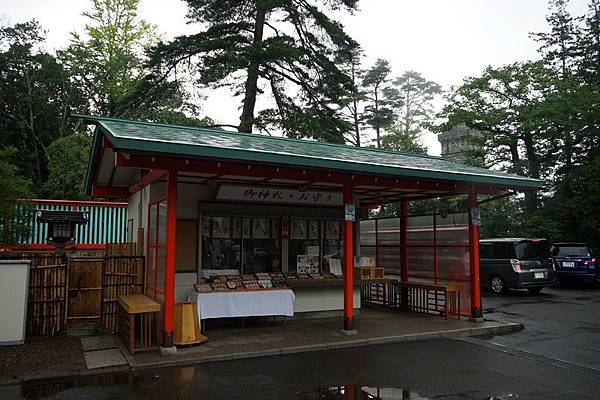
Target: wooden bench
x=138 y=318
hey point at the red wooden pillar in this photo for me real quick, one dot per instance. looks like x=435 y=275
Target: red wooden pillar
x=404 y=253
x=348 y=264
x=169 y=303
x=403 y=240
x=350 y=392
x=474 y=260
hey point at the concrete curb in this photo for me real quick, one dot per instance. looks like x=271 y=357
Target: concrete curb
x=502 y=328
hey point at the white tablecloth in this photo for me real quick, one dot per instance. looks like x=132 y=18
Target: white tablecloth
x=251 y=303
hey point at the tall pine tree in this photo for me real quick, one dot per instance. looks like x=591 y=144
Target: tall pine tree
x=382 y=99
x=282 y=48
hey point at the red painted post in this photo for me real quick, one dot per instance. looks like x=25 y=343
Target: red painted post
x=435 y=257
x=348 y=265
x=474 y=260
x=170 y=259
x=404 y=254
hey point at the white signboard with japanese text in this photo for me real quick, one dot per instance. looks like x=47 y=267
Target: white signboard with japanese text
x=259 y=194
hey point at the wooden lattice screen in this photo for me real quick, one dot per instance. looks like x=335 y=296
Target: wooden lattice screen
x=123 y=273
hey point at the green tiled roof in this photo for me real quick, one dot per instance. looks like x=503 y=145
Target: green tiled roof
x=201 y=142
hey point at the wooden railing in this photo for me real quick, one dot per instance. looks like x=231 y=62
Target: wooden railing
x=430 y=299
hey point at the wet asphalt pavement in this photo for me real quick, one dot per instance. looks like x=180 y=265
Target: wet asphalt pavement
x=556 y=356
x=562 y=322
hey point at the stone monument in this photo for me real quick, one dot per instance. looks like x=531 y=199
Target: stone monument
x=456 y=142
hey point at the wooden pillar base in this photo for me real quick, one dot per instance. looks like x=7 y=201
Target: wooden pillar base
x=167 y=339
x=476 y=314
x=348 y=324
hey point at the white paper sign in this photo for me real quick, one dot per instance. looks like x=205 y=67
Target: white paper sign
x=335 y=266
x=313 y=250
x=306 y=264
x=259 y=194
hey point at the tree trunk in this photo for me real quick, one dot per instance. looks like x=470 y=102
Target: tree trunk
x=251 y=86
x=533 y=166
x=377 y=128
x=34 y=142
x=407 y=116
x=356 y=123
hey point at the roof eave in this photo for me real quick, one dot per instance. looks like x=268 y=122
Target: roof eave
x=133 y=145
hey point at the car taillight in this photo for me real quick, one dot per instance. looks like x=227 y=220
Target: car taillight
x=590 y=263
x=553 y=265
x=516 y=265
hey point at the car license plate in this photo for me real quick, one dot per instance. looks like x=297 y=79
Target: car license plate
x=538 y=275
x=569 y=264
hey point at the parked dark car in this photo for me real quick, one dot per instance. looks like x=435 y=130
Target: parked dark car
x=513 y=263
x=574 y=262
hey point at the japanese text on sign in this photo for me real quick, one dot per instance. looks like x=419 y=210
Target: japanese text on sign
x=278 y=195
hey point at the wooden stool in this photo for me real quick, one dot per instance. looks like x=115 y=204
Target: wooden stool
x=138 y=307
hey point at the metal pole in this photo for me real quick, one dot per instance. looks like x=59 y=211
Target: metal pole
x=348 y=265
x=476 y=312
x=170 y=259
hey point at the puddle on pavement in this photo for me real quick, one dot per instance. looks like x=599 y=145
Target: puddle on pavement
x=355 y=392
x=187 y=382
x=177 y=383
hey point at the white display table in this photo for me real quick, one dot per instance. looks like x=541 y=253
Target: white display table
x=244 y=303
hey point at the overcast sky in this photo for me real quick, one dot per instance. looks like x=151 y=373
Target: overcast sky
x=445 y=40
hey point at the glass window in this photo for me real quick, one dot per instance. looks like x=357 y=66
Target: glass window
x=220 y=249
x=322 y=240
x=574 y=251
x=485 y=250
x=262 y=248
x=246 y=244
x=299 y=229
x=156 y=249
x=533 y=249
x=367 y=232
x=503 y=251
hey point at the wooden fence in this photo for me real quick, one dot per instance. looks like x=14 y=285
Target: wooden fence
x=75 y=288
x=440 y=300
x=48 y=282
x=123 y=273
x=46 y=306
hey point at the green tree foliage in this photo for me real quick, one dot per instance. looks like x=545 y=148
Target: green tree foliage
x=382 y=98
x=509 y=106
x=13 y=186
x=68 y=159
x=577 y=202
x=36 y=98
x=541 y=119
x=108 y=63
x=417 y=95
x=282 y=50
x=559 y=46
x=352 y=101
x=399 y=140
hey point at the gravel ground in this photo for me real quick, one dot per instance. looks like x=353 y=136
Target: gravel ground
x=41 y=357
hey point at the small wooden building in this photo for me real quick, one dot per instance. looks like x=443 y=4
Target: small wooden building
x=215 y=201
